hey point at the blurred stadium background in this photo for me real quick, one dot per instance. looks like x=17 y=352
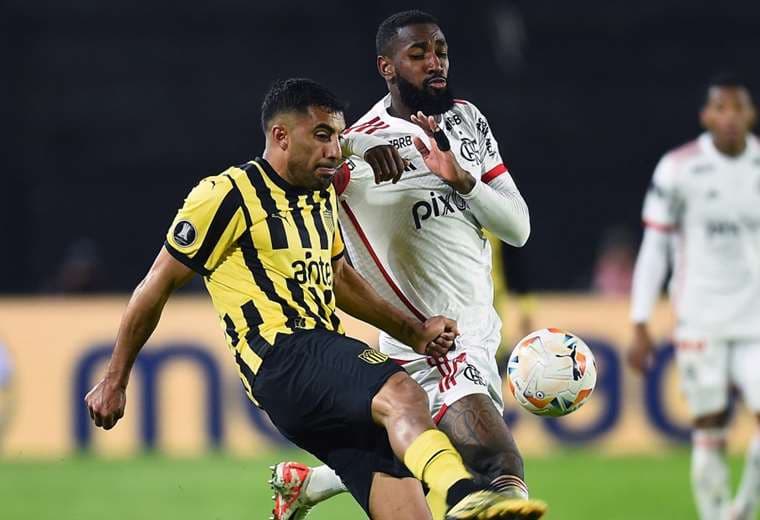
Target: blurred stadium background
x=114 y=110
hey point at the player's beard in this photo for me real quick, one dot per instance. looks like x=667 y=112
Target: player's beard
x=421 y=99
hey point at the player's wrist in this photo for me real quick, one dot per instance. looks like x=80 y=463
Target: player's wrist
x=414 y=333
x=116 y=379
x=464 y=185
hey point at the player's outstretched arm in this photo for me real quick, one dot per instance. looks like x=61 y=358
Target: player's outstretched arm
x=499 y=207
x=433 y=337
x=107 y=399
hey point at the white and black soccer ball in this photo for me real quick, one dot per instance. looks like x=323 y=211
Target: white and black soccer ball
x=551 y=372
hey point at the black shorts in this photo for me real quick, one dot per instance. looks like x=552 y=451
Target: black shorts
x=317 y=388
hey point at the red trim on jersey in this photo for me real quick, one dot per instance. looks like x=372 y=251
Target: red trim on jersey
x=493 y=173
x=371 y=126
x=341 y=179
x=460 y=102
x=379 y=265
x=665 y=228
x=438 y=416
x=361 y=126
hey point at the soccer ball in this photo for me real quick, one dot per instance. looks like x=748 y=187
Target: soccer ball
x=551 y=372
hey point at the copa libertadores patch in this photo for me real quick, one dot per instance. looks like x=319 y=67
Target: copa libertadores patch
x=184 y=233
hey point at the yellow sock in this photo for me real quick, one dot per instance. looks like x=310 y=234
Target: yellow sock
x=437 y=505
x=432 y=459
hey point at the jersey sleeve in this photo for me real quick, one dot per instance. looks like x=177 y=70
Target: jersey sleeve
x=208 y=224
x=491 y=162
x=352 y=171
x=662 y=204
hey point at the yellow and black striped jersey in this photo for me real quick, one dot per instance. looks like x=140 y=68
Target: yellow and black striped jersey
x=265 y=249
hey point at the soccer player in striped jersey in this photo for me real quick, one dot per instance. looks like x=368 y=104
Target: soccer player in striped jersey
x=419 y=242
x=265 y=237
x=702 y=215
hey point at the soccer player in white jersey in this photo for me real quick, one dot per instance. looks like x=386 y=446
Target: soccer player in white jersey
x=702 y=212
x=419 y=242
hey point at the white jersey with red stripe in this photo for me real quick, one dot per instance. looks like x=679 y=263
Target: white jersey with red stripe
x=711 y=204
x=417 y=242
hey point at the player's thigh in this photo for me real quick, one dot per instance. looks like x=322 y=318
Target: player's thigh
x=394 y=498
x=703 y=368
x=317 y=380
x=745 y=371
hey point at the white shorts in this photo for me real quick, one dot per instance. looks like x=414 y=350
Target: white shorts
x=709 y=368
x=468 y=369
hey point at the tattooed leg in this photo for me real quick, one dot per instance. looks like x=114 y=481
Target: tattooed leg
x=479 y=433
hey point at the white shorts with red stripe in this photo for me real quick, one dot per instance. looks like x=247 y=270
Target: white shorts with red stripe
x=468 y=369
x=708 y=368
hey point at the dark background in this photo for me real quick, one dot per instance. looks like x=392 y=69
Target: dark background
x=113 y=110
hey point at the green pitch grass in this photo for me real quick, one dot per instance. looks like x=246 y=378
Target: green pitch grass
x=577 y=486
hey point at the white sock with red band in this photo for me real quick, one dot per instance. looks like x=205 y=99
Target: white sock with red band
x=323 y=484
x=709 y=473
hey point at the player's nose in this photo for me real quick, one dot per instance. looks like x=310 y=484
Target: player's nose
x=332 y=150
x=434 y=64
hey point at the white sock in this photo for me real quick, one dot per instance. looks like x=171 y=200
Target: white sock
x=323 y=484
x=709 y=474
x=510 y=486
x=745 y=504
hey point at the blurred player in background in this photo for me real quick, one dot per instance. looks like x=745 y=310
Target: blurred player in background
x=6 y=392
x=704 y=203
x=420 y=243
x=266 y=238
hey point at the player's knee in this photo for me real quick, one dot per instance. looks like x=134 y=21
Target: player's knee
x=714 y=420
x=402 y=395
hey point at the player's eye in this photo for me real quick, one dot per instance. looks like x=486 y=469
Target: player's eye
x=323 y=136
x=443 y=54
x=417 y=56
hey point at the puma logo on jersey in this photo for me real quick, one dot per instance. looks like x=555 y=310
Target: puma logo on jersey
x=438 y=206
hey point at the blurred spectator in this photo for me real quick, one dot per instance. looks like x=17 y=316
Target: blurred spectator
x=613 y=268
x=6 y=395
x=81 y=270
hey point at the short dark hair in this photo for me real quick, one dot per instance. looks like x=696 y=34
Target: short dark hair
x=389 y=27
x=728 y=79
x=297 y=95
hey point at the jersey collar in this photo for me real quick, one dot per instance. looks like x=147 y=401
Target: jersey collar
x=750 y=149
x=279 y=181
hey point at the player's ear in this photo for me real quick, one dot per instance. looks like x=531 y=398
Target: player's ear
x=386 y=68
x=280 y=136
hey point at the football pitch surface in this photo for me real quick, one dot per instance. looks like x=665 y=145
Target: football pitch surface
x=577 y=485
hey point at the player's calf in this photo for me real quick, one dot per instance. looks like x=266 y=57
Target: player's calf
x=478 y=431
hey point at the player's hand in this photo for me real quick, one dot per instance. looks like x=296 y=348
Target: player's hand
x=435 y=337
x=386 y=163
x=106 y=402
x=642 y=350
x=442 y=163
